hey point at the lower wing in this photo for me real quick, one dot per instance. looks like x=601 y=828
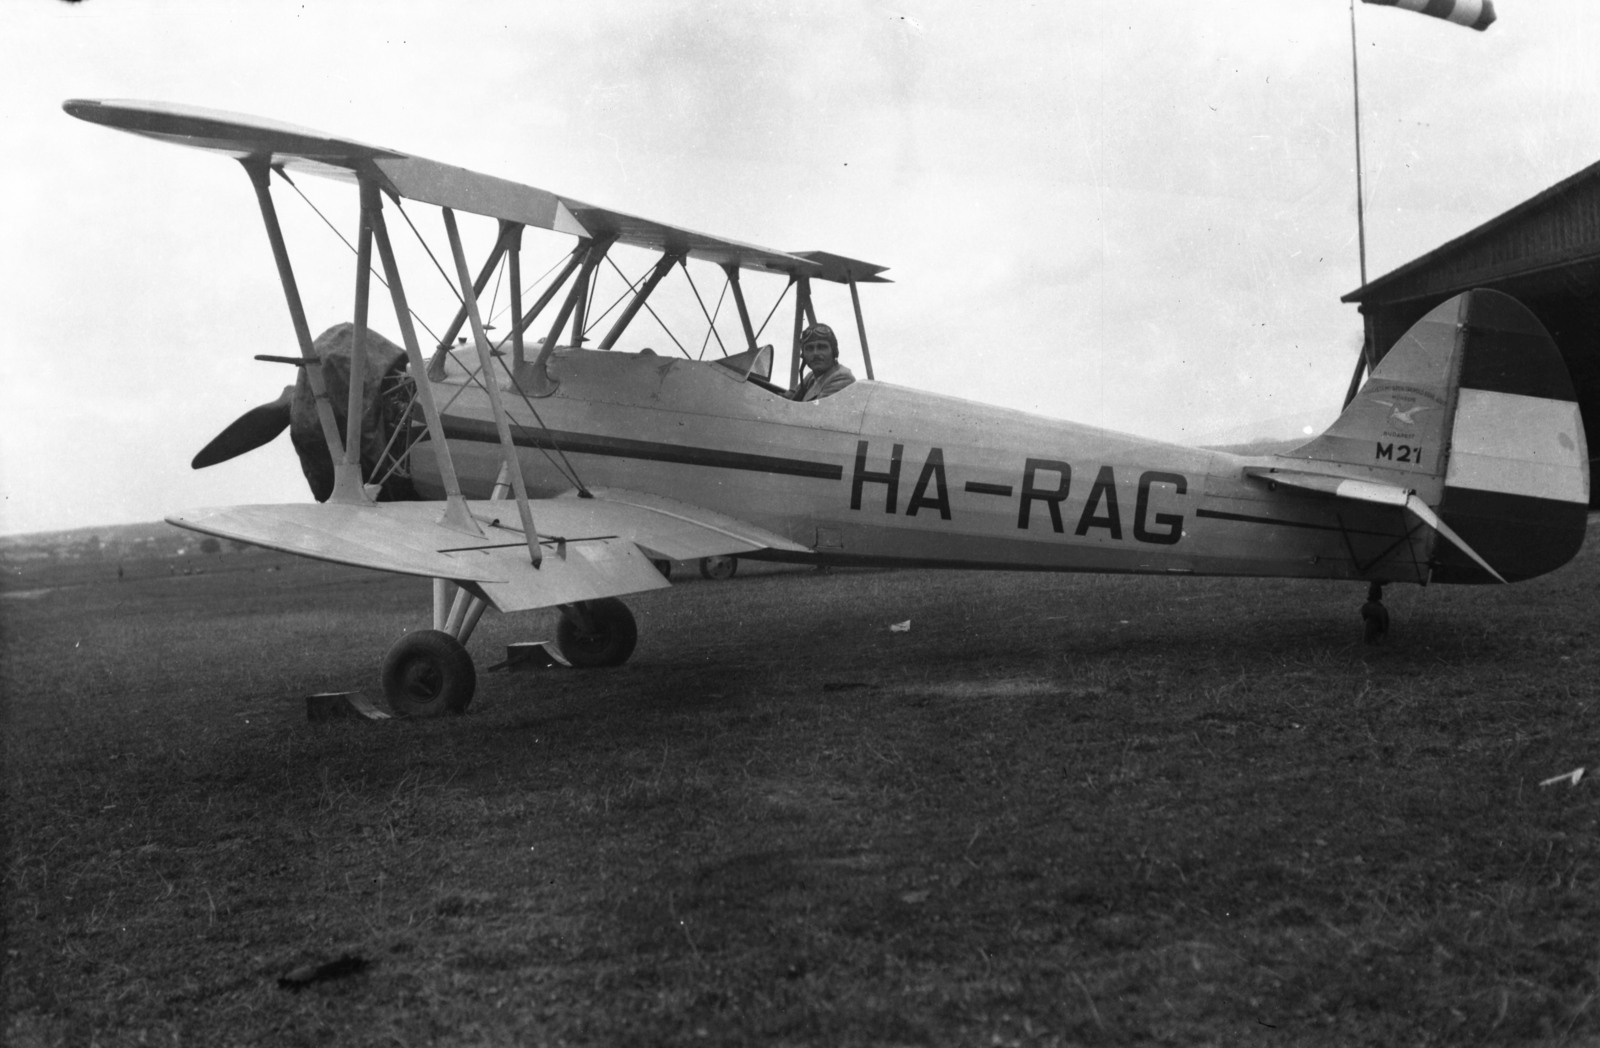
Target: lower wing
x=593 y=547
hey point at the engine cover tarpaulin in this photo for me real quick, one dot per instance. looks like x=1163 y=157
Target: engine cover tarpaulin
x=384 y=400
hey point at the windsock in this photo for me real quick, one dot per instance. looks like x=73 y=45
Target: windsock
x=1475 y=13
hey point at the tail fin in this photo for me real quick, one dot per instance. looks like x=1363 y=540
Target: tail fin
x=1474 y=410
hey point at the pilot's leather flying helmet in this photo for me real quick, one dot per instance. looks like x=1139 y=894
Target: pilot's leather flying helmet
x=821 y=333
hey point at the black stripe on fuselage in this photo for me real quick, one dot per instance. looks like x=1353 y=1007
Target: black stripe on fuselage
x=1245 y=518
x=456 y=428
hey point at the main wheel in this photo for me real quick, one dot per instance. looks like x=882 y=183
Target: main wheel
x=719 y=568
x=597 y=633
x=428 y=674
x=663 y=566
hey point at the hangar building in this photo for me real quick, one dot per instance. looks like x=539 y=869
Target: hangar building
x=1545 y=252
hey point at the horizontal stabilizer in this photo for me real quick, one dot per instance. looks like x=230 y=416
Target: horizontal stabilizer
x=1332 y=484
x=1368 y=491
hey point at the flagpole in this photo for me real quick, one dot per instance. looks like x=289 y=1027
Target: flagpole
x=1355 y=82
x=1364 y=359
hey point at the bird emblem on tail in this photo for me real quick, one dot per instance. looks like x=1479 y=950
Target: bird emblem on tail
x=1406 y=417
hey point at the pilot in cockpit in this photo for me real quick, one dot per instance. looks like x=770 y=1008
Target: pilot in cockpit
x=820 y=351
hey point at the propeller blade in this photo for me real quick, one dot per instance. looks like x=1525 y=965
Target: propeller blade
x=249 y=431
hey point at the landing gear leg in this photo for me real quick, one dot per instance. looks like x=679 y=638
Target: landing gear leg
x=1374 y=616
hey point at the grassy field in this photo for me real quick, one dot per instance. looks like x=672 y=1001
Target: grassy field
x=1059 y=810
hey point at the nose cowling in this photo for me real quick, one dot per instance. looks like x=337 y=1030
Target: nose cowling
x=386 y=399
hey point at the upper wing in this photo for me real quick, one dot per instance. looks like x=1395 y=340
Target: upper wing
x=1367 y=491
x=595 y=547
x=417 y=178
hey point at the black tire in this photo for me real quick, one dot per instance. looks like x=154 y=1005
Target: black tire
x=719 y=568
x=607 y=639
x=428 y=674
x=663 y=566
x=1374 y=622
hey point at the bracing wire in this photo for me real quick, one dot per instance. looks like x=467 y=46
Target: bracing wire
x=702 y=303
x=571 y=472
x=715 y=313
x=631 y=288
x=416 y=233
x=618 y=301
x=781 y=296
x=400 y=457
x=653 y=314
x=528 y=290
x=499 y=271
x=567 y=470
x=668 y=330
x=475 y=376
x=351 y=246
x=588 y=306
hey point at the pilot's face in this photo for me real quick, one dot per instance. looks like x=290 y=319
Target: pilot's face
x=817 y=354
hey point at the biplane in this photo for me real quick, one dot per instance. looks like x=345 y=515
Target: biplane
x=559 y=472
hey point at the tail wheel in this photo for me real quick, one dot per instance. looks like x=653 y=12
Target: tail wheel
x=428 y=674
x=1374 y=616
x=719 y=568
x=597 y=633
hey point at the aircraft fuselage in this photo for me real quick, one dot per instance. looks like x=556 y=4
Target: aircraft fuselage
x=882 y=474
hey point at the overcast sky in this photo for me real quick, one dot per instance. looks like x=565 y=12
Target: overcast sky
x=1131 y=213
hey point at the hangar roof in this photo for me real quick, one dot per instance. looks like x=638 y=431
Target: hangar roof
x=1550 y=240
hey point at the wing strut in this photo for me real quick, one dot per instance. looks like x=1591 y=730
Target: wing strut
x=346 y=484
x=663 y=266
x=510 y=235
x=514 y=275
x=456 y=514
x=861 y=326
x=538 y=383
x=486 y=365
x=355 y=403
x=518 y=351
x=744 y=313
x=803 y=315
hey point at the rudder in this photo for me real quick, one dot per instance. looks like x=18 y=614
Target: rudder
x=1516 y=484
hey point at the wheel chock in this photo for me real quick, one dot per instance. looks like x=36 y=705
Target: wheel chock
x=530 y=655
x=342 y=705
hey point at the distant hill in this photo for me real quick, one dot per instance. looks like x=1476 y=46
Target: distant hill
x=108 y=542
